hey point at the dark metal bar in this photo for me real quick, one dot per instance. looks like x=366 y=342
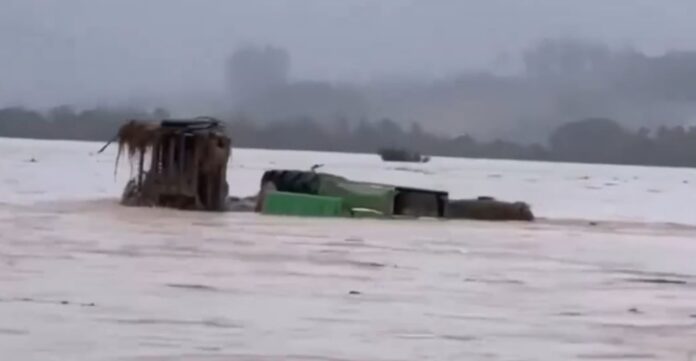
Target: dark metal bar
x=141 y=163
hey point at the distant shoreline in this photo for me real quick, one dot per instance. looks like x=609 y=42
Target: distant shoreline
x=100 y=142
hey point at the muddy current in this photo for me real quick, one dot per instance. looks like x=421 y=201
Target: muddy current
x=600 y=278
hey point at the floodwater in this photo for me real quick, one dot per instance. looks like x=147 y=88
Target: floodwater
x=608 y=273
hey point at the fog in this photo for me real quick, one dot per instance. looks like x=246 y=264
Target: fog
x=454 y=66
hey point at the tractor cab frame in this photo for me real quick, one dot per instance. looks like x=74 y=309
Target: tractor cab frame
x=187 y=165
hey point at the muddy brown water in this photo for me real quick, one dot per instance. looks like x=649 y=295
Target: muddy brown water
x=93 y=280
x=83 y=278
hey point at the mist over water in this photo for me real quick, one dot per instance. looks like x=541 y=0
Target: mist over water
x=482 y=68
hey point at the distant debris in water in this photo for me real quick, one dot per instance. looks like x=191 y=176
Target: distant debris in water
x=32 y=160
x=402 y=155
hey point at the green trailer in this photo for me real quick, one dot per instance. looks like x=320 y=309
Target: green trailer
x=290 y=192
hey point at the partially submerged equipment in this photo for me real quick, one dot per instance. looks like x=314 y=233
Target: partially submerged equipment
x=489 y=209
x=290 y=192
x=188 y=170
x=297 y=192
x=187 y=167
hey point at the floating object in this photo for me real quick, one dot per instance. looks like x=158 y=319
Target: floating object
x=402 y=155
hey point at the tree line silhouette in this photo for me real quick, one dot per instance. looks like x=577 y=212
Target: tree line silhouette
x=560 y=80
x=593 y=140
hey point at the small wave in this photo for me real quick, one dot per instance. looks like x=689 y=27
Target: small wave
x=213 y=323
x=195 y=287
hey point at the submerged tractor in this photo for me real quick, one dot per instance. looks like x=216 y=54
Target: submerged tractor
x=322 y=194
x=187 y=165
x=306 y=193
x=183 y=164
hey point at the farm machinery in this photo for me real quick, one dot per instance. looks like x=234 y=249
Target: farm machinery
x=187 y=166
x=187 y=169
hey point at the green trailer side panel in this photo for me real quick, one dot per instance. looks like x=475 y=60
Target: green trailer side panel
x=359 y=195
x=298 y=204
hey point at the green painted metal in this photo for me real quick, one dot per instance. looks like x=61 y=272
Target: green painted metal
x=357 y=195
x=357 y=199
x=298 y=204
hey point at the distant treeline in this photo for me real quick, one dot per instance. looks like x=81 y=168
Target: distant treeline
x=595 y=140
x=561 y=80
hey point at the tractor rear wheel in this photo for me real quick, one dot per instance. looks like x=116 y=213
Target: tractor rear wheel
x=292 y=181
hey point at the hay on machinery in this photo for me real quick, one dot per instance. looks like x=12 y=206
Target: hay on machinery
x=135 y=138
x=188 y=163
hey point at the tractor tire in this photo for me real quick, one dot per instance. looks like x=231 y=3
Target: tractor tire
x=292 y=181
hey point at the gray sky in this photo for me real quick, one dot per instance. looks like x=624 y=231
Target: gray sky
x=70 y=51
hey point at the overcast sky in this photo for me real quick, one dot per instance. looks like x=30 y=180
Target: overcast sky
x=69 y=51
